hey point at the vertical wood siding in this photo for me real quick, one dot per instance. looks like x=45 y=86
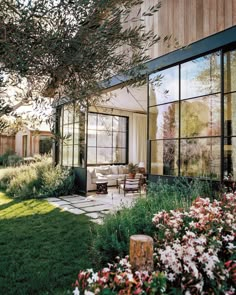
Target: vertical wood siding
x=188 y=21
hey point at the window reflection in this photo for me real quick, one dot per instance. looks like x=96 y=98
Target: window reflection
x=164 y=86
x=200 y=157
x=164 y=157
x=230 y=114
x=230 y=157
x=230 y=71
x=164 y=121
x=201 y=76
x=201 y=116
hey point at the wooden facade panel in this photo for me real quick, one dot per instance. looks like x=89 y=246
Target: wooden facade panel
x=188 y=21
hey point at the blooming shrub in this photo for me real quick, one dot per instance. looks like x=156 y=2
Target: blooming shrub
x=118 y=278
x=196 y=249
x=194 y=255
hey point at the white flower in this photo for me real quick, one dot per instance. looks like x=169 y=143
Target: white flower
x=171 y=277
x=76 y=291
x=231 y=246
x=88 y=293
x=89 y=280
x=95 y=276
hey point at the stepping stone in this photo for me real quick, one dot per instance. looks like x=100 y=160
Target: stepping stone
x=94 y=215
x=52 y=199
x=68 y=207
x=97 y=208
x=76 y=211
x=60 y=203
x=87 y=204
x=76 y=200
x=70 y=198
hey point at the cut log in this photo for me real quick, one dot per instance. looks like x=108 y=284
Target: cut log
x=141 y=252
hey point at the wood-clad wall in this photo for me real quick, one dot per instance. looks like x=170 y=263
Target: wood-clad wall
x=188 y=21
x=6 y=143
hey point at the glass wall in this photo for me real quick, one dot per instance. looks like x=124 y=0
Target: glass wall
x=107 y=139
x=186 y=115
x=72 y=133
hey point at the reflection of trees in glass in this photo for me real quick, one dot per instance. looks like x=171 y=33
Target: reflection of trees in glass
x=170 y=154
x=210 y=76
x=200 y=157
x=170 y=122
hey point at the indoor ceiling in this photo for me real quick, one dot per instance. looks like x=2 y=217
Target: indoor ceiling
x=127 y=98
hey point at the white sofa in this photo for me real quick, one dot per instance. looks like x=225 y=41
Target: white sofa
x=109 y=172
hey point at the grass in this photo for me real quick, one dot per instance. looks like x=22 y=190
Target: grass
x=42 y=248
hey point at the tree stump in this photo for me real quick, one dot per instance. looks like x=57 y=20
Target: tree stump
x=141 y=252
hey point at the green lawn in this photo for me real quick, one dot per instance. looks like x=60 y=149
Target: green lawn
x=42 y=248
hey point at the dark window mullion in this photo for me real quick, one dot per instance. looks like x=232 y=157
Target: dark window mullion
x=222 y=116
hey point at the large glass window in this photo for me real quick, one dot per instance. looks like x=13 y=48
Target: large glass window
x=185 y=118
x=107 y=139
x=200 y=76
x=72 y=131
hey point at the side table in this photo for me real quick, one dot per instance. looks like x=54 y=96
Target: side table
x=101 y=187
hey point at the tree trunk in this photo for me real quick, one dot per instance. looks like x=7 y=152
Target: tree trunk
x=141 y=252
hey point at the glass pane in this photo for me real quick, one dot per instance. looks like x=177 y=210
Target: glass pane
x=230 y=114
x=200 y=157
x=119 y=123
x=164 y=121
x=65 y=156
x=91 y=158
x=76 y=156
x=104 y=123
x=230 y=157
x=201 y=116
x=119 y=139
x=164 y=157
x=92 y=121
x=119 y=155
x=104 y=155
x=76 y=133
x=230 y=71
x=92 y=139
x=164 y=86
x=70 y=155
x=104 y=139
x=201 y=76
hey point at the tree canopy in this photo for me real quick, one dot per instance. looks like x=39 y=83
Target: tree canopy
x=65 y=47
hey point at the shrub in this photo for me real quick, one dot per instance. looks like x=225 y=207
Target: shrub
x=4 y=157
x=194 y=254
x=112 y=238
x=40 y=179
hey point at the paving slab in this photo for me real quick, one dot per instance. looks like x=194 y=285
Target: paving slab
x=98 y=208
x=76 y=200
x=88 y=204
x=52 y=199
x=98 y=221
x=93 y=215
x=76 y=211
x=72 y=197
x=60 y=203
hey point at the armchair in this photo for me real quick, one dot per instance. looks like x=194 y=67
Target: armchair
x=131 y=185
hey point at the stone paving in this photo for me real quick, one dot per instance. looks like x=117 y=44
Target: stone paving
x=95 y=206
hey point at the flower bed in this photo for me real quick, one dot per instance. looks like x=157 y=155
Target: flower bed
x=194 y=254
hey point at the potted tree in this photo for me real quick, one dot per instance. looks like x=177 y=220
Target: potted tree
x=132 y=169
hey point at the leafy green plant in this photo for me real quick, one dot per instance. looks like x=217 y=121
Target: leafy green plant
x=112 y=238
x=40 y=179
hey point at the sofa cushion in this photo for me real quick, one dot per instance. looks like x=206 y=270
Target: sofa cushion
x=114 y=169
x=123 y=169
x=103 y=170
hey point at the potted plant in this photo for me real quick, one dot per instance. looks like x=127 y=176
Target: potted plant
x=132 y=169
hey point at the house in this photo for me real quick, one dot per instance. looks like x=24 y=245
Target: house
x=30 y=142
x=182 y=122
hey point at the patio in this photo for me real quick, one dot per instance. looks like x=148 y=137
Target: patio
x=95 y=206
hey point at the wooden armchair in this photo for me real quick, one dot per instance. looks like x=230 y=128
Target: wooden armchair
x=130 y=185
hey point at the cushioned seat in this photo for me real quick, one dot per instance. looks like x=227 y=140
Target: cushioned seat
x=131 y=185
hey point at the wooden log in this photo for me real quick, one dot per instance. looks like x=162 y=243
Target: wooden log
x=141 y=252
